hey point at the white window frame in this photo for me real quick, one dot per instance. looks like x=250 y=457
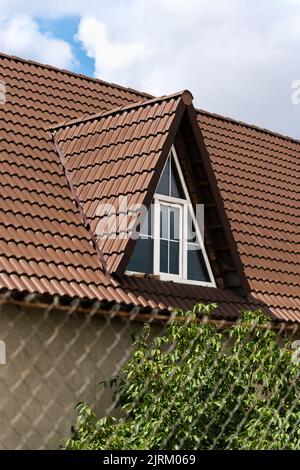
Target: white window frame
x=184 y=205
x=158 y=201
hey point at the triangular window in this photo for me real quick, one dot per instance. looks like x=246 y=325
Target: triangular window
x=169 y=183
x=170 y=243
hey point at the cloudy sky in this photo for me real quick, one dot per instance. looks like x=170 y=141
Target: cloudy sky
x=239 y=58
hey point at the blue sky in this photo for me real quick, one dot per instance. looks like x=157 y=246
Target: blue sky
x=66 y=29
x=238 y=58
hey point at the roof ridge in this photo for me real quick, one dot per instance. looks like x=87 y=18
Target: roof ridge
x=247 y=124
x=186 y=95
x=147 y=95
x=79 y=75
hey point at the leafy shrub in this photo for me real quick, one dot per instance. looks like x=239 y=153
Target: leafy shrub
x=201 y=387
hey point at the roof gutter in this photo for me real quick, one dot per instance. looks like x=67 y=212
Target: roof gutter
x=136 y=314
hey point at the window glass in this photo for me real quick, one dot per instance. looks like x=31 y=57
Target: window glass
x=174 y=223
x=146 y=228
x=175 y=256
x=196 y=268
x=164 y=256
x=191 y=229
x=169 y=184
x=142 y=258
x=164 y=222
x=164 y=182
x=176 y=186
x=170 y=236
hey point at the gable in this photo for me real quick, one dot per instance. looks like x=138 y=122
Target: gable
x=170 y=243
x=114 y=161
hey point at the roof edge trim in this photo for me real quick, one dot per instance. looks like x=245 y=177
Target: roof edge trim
x=167 y=146
x=78 y=205
x=185 y=95
x=218 y=198
x=76 y=305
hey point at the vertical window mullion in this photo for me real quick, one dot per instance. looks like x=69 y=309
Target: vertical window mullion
x=156 y=235
x=184 y=240
x=180 y=228
x=168 y=236
x=170 y=179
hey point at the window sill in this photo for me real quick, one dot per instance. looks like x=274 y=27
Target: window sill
x=168 y=278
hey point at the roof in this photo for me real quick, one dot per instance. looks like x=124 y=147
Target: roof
x=46 y=245
x=115 y=155
x=258 y=174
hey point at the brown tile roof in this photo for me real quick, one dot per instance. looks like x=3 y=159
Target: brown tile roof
x=115 y=155
x=44 y=245
x=258 y=174
x=183 y=295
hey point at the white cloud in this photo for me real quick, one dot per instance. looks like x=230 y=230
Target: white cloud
x=21 y=36
x=112 y=59
x=238 y=58
x=59 y=8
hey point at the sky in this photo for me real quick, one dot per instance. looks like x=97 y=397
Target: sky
x=239 y=58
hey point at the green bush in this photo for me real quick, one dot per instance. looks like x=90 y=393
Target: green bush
x=201 y=387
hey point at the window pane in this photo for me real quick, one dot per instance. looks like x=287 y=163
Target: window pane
x=196 y=269
x=146 y=227
x=164 y=245
x=191 y=228
x=142 y=257
x=164 y=221
x=174 y=257
x=164 y=182
x=174 y=223
x=176 y=187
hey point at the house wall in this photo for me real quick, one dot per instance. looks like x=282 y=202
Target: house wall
x=53 y=362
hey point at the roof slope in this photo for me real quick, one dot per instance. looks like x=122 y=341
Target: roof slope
x=114 y=159
x=44 y=245
x=186 y=296
x=258 y=174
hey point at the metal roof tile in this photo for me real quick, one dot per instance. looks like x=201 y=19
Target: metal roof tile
x=44 y=246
